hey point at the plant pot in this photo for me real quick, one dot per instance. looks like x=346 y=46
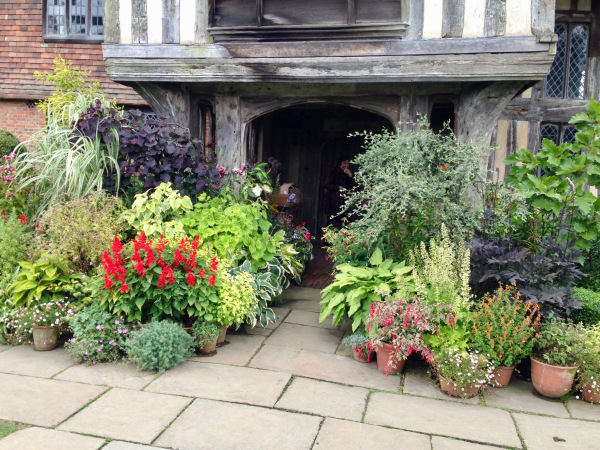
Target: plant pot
x=282 y=200
x=221 y=338
x=363 y=354
x=44 y=338
x=502 y=376
x=383 y=356
x=551 y=381
x=449 y=388
x=208 y=349
x=591 y=394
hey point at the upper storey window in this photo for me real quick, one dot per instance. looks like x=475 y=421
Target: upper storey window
x=305 y=19
x=568 y=72
x=73 y=20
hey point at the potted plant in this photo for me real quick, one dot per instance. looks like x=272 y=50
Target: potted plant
x=554 y=365
x=588 y=374
x=396 y=327
x=206 y=334
x=358 y=342
x=504 y=329
x=463 y=373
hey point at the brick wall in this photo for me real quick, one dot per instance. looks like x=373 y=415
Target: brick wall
x=18 y=118
x=23 y=51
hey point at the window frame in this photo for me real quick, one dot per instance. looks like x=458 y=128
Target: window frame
x=72 y=38
x=562 y=126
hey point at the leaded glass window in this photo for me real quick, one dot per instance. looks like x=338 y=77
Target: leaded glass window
x=567 y=74
x=559 y=133
x=74 y=18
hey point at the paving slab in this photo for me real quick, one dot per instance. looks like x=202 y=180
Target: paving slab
x=219 y=382
x=521 y=396
x=4 y=347
x=258 y=331
x=338 y=434
x=305 y=337
x=301 y=293
x=544 y=433
x=42 y=402
x=121 y=375
x=309 y=318
x=42 y=438
x=324 y=399
x=280 y=315
x=122 y=445
x=304 y=305
x=239 y=351
x=443 y=443
x=474 y=423
x=583 y=410
x=24 y=360
x=418 y=382
x=209 y=424
x=323 y=366
x=127 y=415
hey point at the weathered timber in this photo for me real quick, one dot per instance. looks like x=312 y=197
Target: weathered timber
x=112 y=28
x=495 y=18
x=416 y=15
x=543 y=109
x=453 y=18
x=202 y=14
x=139 y=22
x=412 y=106
x=542 y=17
x=170 y=22
x=478 y=67
x=533 y=138
x=229 y=132
x=592 y=88
x=480 y=107
x=166 y=101
x=449 y=46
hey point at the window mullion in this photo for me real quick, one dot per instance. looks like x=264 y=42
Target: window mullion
x=567 y=61
x=351 y=12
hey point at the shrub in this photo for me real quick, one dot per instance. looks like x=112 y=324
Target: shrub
x=98 y=336
x=15 y=239
x=8 y=142
x=237 y=298
x=206 y=332
x=79 y=231
x=159 y=346
x=559 y=343
x=589 y=314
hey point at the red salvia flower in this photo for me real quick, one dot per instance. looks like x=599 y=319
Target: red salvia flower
x=22 y=219
x=212 y=280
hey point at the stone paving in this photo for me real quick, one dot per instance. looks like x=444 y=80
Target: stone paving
x=290 y=386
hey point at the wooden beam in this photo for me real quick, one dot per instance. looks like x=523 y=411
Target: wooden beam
x=229 y=131
x=453 y=18
x=495 y=18
x=170 y=22
x=543 y=110
x=166 y=101
x=542 y=17
x=202 y=21
x=112 y=28
x=139 y=22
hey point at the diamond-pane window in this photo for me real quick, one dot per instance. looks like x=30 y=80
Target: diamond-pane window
x=555 y=81
x=549 y=131
x=77 y=19
x=568 y=134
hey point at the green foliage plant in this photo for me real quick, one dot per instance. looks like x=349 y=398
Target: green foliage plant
x=265 y=289
x=98 y=336
x=504 y=327
x=234 y=230
x=558 y=175
x=352 y=244
x=205 y=332
x=159 y=346
x=588 y=374
x=410 y=182
x=158 y=212
x=355 y=340
x=45 y=280
x=354 y=289
x=559 y=342
x=465 y=369
x=237 y=298
x=589 y=314
x=8 y=142
x=15 y=241
x=78 y=231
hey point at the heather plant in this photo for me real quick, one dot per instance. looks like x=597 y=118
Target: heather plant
x=98 y=336
x=78 y=231
x=159 y=346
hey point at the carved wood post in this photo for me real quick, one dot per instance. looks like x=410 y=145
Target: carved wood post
x=229 y=131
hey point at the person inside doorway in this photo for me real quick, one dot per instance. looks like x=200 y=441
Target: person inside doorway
x=338 y=179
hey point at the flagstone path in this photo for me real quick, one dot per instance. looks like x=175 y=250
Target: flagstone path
x=290 y=386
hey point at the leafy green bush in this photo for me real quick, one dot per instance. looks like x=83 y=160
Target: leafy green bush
x=15 y=239
x=589 y=314
x=265 y=290
x=159 y=346
x=98 y=336
x=355 y=288
x=80 y=230
x=205 y=332
x=560 y=343
x=237 y=298
x=8 y=142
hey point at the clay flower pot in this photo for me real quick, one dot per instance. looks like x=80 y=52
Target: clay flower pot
x=383 y=356
x=362 y=354
x=450 y=388
x=209 y=349
x=221 y=338
x=551 y=381
x=44 y=338
x=591 y=394
x=502 y=376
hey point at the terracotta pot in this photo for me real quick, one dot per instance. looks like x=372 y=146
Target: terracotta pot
x=502 y=376
x=44 y=338
x=221 y=338
x=590 y=395
x=383 y=356
x=551 y=381
x=448 y=387
x=282 y=200
x=208 y=349
x=363 y=354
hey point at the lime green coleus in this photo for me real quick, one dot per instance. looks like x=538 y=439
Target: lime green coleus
x=355 y=288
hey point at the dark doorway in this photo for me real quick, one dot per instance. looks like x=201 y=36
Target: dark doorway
x=309 y=140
